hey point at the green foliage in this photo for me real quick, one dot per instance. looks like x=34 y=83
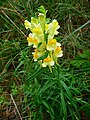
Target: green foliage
x=86 y=109
x=82 y=60
x=2 y=100
x=14 y=90
x=43 y=57
x=65 y=92
x=3 y=2
x=41 y=9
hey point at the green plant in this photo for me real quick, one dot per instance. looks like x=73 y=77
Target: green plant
x=2 y=100
x=14 y=90
x=62 y=94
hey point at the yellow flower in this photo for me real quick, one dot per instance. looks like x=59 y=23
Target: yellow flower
x=36 y=54
x=27 y=24
x=42 y=38
x=58 y=52
x=35 y=41
x=32 y=25
x=52 y=29
x=41 y=20
x=37 y=30
x=51 y=45
x=34 y=22
x=47 y=62
x=32 y=40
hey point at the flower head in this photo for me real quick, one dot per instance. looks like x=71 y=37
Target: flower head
x=52 y=29
x=37 y=54
x=47 y=49
x=48 y=61
x=32 y=40
x=27 y=24
x=58 y=52
x=51 y=45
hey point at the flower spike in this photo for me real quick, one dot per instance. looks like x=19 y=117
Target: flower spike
x=47 y=49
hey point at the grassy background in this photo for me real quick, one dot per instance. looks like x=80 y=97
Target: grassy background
x=39 y=94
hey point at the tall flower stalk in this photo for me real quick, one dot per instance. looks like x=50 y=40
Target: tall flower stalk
x=46 y=48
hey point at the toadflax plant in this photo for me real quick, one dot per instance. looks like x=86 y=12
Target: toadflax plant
x=46 y=47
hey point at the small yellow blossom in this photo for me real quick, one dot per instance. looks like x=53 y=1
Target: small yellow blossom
x=37 y=31
x=41 y=19
x=52 y=29
x=27 y=24
x=34 y=22
x=35 y=41
x=58 y=52
x=51 y=45
x=47 y=62
x=32 y=40
x=36 y=54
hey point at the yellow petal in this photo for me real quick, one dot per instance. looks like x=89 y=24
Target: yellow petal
x=48 y=61
x=58 y=52
x=37 y=30
x=34 y=22
x=41 y=19
x=51 y=44
x=53 y=27
x=27 y=24
x=44 y=64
